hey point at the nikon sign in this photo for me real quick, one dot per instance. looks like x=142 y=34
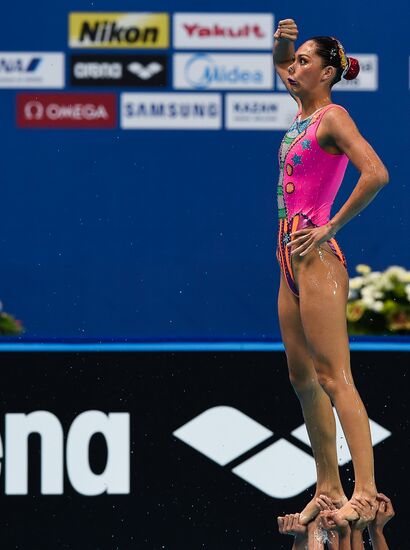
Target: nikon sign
x=119 y=30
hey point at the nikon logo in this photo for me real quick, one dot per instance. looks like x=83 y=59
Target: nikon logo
x=119 y=30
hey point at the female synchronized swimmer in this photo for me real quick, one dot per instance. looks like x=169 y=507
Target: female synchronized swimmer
x=314 y=282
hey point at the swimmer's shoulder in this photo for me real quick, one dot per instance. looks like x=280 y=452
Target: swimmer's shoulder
x=335 y=117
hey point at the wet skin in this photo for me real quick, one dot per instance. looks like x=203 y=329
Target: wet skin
x=314 y=327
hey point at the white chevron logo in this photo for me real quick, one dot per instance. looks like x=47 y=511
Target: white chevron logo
x=281 y=470
x=145 y=73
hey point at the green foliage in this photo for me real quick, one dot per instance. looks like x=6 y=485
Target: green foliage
x=9 y=326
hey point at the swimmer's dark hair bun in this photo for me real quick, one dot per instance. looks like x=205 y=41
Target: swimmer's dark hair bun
x=354 y=69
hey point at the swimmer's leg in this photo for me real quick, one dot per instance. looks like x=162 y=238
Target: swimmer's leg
x=316 y=406
x=323 y=286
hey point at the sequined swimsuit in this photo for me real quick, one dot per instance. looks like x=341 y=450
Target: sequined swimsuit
x=309 y=179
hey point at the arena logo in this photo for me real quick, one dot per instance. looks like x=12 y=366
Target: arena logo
x=119 y=30
x=171 y=111
x=219 y=71
x=31 y=69
x=66 y=110
x=120 y=70
x=114 y=427
x=222 y=30
x=281 y=470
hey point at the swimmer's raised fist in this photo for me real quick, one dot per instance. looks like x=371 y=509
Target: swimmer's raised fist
x=287 y=30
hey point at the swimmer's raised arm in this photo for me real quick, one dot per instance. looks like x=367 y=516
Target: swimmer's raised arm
x=385 y=513
x=284 y=50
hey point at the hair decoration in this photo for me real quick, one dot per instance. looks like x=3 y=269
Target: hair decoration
x=344 y=60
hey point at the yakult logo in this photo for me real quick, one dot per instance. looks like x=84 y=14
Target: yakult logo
x=223 y=31
x=66 y=110
x=114 y=427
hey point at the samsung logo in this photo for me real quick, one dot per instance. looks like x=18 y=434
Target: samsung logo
x=185 y=111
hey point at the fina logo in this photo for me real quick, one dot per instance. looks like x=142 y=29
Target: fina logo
x=281 y=469
x=201 y=71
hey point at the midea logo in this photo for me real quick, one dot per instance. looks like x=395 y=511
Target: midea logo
x=281 y=470
x=114 y=427
x=201 y=71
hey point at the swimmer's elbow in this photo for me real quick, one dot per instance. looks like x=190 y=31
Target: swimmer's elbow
x=383 y=177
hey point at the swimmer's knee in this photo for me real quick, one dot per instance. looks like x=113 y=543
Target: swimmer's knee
x=303 y=379
x=332 y=384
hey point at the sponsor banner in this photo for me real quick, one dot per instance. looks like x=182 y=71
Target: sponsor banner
x=66 y=110
x=118 y=30
x=31 y=70
x=206 y=71
x=171 y=111
x=367 y=80
x=259 y=111
x=252 y=31
x=119 y=70
x=122 y=440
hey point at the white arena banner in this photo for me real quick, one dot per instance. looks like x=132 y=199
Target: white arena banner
x=171 y=111
x=366 y=81
x=259 y=111
x=207 y=71
x=368 y=78
x=31 y=70
x=229 y=31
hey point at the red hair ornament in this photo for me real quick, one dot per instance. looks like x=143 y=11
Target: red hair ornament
x=353 y=69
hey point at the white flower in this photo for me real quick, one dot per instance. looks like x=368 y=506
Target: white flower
x=364 y=269
x=374 y=276
x=368 y=301
x=407 y=289
x=384 y=282
x=396 y=271
x=356 y=282
x=377 y=306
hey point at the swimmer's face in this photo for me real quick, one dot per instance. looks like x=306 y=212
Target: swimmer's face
x=307 y=73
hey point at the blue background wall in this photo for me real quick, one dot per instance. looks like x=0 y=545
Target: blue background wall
x=171 y=234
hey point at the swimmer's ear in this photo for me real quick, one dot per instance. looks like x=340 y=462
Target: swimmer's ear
x=328 y=73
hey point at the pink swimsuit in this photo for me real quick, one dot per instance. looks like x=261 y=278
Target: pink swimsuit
x=308 y=183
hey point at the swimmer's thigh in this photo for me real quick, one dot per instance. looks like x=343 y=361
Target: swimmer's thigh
x=299 y=360
x=323 y=288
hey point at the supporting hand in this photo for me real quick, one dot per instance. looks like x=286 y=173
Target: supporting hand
x=305 y=240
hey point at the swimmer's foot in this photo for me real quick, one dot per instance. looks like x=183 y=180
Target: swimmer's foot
x=312 y=509
x=347 y=512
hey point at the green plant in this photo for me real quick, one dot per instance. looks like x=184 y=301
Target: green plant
x=9 y=326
